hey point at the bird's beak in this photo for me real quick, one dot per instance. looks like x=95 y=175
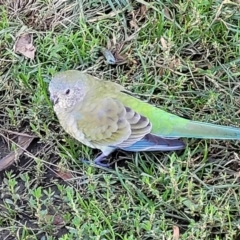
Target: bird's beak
x=54 y=99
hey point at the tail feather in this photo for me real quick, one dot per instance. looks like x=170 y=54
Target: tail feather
x=194 y=129
x=166 y=125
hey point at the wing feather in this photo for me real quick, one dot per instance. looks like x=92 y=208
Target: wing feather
x=109 y=122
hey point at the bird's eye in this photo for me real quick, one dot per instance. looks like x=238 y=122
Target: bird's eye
x=67 y=91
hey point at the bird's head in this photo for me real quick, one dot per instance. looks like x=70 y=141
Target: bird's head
x=67 y=89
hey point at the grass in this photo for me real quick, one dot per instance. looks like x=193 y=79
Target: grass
x=182 y=57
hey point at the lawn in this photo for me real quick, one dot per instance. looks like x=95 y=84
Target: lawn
x=183 y=57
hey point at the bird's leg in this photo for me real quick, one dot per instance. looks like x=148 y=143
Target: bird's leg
x=98 y=161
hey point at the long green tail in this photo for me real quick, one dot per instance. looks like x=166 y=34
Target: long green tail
x=174 y=126
x=168 y=125
x=194 y=129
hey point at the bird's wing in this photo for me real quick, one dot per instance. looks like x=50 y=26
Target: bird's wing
x=108 y=122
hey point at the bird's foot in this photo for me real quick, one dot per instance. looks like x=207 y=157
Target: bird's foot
x=98 y=161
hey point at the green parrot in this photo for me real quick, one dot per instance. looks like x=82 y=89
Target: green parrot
x=103 y=115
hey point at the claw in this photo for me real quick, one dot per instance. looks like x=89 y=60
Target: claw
x=98 y=161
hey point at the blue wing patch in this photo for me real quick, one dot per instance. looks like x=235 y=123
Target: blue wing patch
x=155 y=143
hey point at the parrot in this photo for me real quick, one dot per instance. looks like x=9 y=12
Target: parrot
x=104 y=115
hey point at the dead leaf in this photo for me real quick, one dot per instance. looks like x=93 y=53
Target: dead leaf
x=105 y=16
x=176 y=233
x=114 y=56
x=24 y=45
x=109 y=44
x=120 y=58
x=139 y=14
x=143 y=10
x=114 y=39
x=134 y=25
x=23 y=143
x=167 y=13
x=55 y=219
x=64 y=174
x=174 y=63
x=161 y=72
x=164 y=43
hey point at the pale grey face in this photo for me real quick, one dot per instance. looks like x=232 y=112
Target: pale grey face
x=65 y=95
